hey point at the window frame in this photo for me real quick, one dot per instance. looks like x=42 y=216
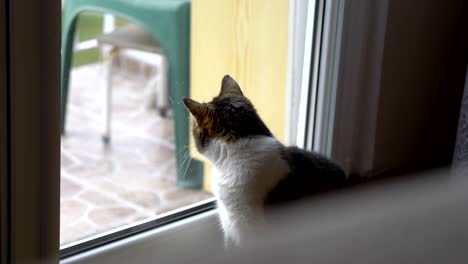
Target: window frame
x=298 y=25
x=133 y=229
x=298 y=13
x=309 y=77
x=30 y=139
x=92 y=244
x=326 y=85
x=359 y=73
x=31 y=115
x=102 y=245
x=4 y=94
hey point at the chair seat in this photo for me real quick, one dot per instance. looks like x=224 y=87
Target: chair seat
x=168 y=21
x=131 y=37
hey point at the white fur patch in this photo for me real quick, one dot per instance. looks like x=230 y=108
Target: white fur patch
x=244 y=172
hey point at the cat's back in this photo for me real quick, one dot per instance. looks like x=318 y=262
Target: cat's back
x=310 y=173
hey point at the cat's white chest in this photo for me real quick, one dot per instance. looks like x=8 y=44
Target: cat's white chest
x=244 y=172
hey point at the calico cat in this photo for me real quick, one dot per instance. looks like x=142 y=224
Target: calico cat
x=252 y=170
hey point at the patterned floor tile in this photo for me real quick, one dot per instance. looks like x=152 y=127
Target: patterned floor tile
x=133 y=178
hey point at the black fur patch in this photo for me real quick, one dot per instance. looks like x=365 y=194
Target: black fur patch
x=236 y=118
x=311 y=173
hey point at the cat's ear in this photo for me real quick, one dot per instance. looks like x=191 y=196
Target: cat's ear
x=201 y=112
x=230 y=86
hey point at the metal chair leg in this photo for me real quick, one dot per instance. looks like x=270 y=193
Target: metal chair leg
x=107 y=67
x=163 y=88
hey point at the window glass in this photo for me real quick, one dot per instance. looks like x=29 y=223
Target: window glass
x=126 y=152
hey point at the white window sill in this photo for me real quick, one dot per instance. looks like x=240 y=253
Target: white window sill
x=178 y=242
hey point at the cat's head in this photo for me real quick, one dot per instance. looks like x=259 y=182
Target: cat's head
x=229 y=117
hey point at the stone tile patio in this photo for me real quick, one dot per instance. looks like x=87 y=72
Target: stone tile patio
x=132 y=179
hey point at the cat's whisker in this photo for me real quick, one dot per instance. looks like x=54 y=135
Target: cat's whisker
x=187 y=149
x=186 y=169
x=183 y=148
x=189 y=158
x=186 y=157
x=184 y=160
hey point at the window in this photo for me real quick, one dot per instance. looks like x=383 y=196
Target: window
x=95 y=207
x=123 y=167
x=338 y=82
x=132 y=178
x=124 y=179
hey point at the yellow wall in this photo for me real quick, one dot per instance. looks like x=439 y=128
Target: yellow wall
x=248 y=40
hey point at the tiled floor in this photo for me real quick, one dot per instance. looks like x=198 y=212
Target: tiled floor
x=131 y=179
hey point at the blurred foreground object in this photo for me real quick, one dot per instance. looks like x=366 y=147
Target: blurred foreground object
x=460 y=158
x=420 y=219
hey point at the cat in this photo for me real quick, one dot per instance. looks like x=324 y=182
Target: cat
x=252 y=170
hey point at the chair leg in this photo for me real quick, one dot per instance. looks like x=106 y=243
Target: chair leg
x=157 y=90
x=163 y=88
x=151 y=92
x=107 y=67
x=67 y=53
x=160 y=94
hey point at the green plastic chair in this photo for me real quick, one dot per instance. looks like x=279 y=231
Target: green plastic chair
x=168 y=21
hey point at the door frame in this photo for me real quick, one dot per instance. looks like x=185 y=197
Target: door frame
x=30 y=130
